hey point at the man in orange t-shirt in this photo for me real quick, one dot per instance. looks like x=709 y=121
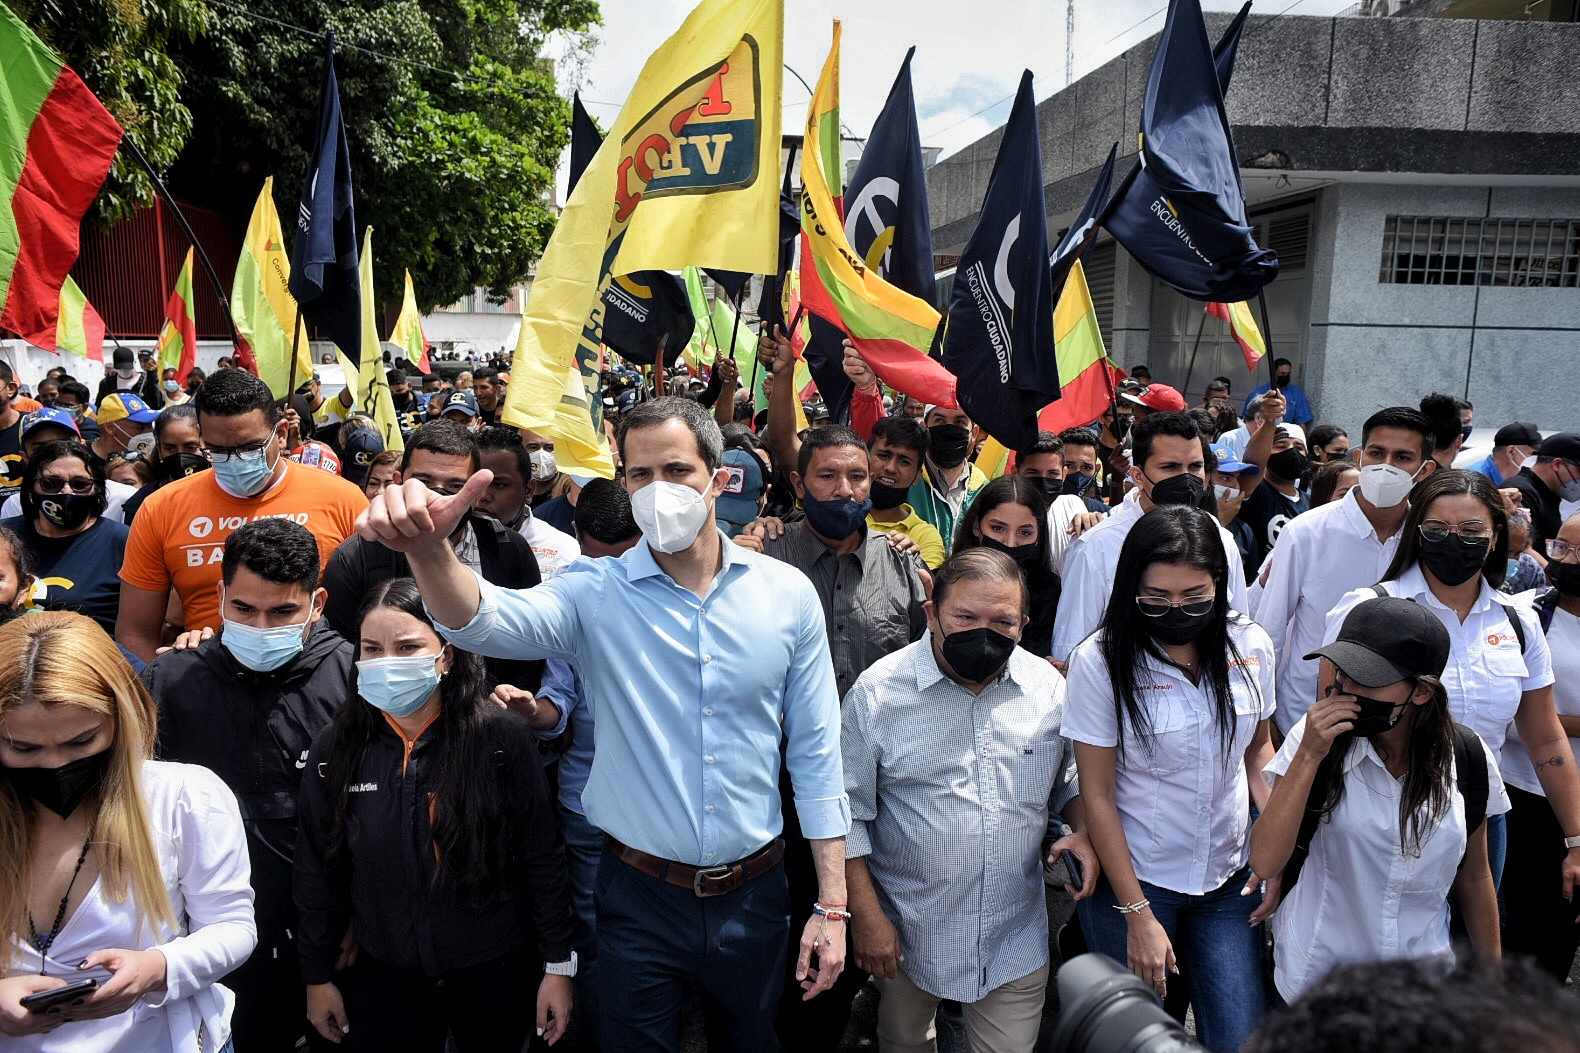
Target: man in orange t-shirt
x=178 y=537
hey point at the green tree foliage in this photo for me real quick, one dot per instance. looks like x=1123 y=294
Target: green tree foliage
x=121 y=49
x=453 y=117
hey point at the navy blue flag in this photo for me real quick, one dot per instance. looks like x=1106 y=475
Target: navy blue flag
x=324 y=278
x=999 y=334
x=646 y=312
x=585 y=140
x=1182 y=214
x=1083 y=227
x=1228 y=45
x=887 y=222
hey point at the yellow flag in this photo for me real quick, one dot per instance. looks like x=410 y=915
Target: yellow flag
x=407 y=333
x=260 y=303
x=696 y=146
x=370 y=390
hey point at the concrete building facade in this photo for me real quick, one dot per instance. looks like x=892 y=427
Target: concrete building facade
x=1419 y=179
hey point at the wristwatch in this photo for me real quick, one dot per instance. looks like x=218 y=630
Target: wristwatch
x=1572 y=842
x=567 y=968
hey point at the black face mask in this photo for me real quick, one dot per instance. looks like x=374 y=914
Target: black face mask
x=1453 y=562
x=1375 y=717
x=884 y=496
x=1565 y=577
x=977 y=655
x=1121 y=425
x=1288 y=464
x=180 y=465
x=1176 y=628
x=947 y=444
x=1049 y=487
x=68 y=511
x=1078 y=483
x=1464 y=432
x=1182 y=489
x=61 y=789
x=1283 y=380
x=1021 y=554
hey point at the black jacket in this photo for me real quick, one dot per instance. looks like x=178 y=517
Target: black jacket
x=253 y=730
x=386 y=888
x=358 y=564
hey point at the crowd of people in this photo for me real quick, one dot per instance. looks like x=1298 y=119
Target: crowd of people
x=303 y=740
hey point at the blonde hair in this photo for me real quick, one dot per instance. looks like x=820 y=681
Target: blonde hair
x=57 y=658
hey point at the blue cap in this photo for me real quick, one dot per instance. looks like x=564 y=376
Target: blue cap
x=125 y=406
x=463 y=401
x=360 y=447
x=49 y=415
x=1228 y=462
x=737 y=505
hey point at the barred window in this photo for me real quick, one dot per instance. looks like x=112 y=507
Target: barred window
x=1436 y=250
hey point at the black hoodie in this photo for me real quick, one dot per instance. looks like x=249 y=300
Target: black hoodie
x=253 y=730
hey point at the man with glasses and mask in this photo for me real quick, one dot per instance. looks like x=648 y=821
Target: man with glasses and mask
x=1170 y=468
x=1548 y=484
x=247 y=705
x=1339 y=547
x=177 y=540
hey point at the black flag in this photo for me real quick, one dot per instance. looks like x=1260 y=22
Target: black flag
x=645 y=311
x=999 y=336
x=1182 y=213
x=1083 y=227
x=324 y=278
x=585 y=140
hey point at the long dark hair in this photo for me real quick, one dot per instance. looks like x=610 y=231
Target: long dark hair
x=48 y=454
x=1428 y=778
x=1183 y=536
x=1005 y=490
x=1449 y=482
x=473 y=823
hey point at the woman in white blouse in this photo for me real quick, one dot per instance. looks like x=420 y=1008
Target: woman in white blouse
x=114 y=868
x=1168 y=706
x=1374 y=758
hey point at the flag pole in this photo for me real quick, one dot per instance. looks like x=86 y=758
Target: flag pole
x=296 y=337
x=1191 y=368
x=186 y=228
x=735 y=301
x=1267 y=338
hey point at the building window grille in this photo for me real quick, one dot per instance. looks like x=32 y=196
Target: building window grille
x=1438 y=250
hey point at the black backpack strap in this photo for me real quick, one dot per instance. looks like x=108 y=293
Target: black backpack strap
x=1470 y=773
x=1519 y=627
x=1382 y=593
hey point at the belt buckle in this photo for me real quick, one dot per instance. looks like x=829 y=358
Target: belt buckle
x=717 y=873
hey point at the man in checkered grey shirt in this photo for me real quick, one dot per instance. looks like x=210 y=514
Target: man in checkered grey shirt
x=953 y=760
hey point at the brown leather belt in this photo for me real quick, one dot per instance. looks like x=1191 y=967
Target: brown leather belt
x=704 y=881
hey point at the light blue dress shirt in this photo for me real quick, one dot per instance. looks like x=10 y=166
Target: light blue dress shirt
x=563 y=687
x=692 y=697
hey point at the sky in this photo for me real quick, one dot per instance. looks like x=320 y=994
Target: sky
x=969 y=53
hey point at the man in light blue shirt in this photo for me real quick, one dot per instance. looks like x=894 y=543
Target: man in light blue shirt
x=699 y=657
x=1299 y=410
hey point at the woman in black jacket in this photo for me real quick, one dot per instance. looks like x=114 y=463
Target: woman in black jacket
x=425 y=827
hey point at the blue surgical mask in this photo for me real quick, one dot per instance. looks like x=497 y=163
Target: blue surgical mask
x=836 y=519
x=263 y=650
x=1514 y=568
x=243 y=475
x=398 y=686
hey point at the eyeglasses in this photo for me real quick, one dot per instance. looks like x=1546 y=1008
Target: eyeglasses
x=1196 y=606
x=51 y=484
x=1562 y=550
x=125 y=455
x=221 y=454
x=1472 y=533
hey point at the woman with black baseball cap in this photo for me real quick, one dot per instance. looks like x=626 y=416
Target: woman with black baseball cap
x=1377 y=810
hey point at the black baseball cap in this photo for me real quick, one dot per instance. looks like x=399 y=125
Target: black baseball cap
x=1565 y=444
x=1386 y=640
x=1517 y=434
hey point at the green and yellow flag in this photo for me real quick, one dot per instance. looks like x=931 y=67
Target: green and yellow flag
x=370 y=390
x=80 y=330
x=1086 y=376
x=177 y=346
x=261 y=303
x=688 y=175
x=408 y=333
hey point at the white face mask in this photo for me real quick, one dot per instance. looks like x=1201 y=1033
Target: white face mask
x=1225 y=493
x=543 y=467
x=670 y=515
x=1385 y=486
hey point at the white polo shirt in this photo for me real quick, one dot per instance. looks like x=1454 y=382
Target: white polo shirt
x=1563 y=643
x=1321 y=555
x=1184 y=799
x=1062 y=511
x=554 y=548
x=1361 y=897
x=1088 y=576
x=1486 y=672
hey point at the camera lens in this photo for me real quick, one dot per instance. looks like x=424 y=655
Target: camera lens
x=1103 y=1008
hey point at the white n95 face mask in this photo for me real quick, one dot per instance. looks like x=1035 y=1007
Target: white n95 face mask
x=1385 y=486
x=670 y=515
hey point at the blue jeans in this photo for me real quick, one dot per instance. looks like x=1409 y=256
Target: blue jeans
x=1497 y=849
x=1213 y=939
x=654 y=939
x=583 y=846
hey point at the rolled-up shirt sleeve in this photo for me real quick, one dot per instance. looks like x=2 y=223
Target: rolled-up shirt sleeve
x=1068 y=786
x=559 y=687
x=860 y=759
x=540 y=622
x=811 y=721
